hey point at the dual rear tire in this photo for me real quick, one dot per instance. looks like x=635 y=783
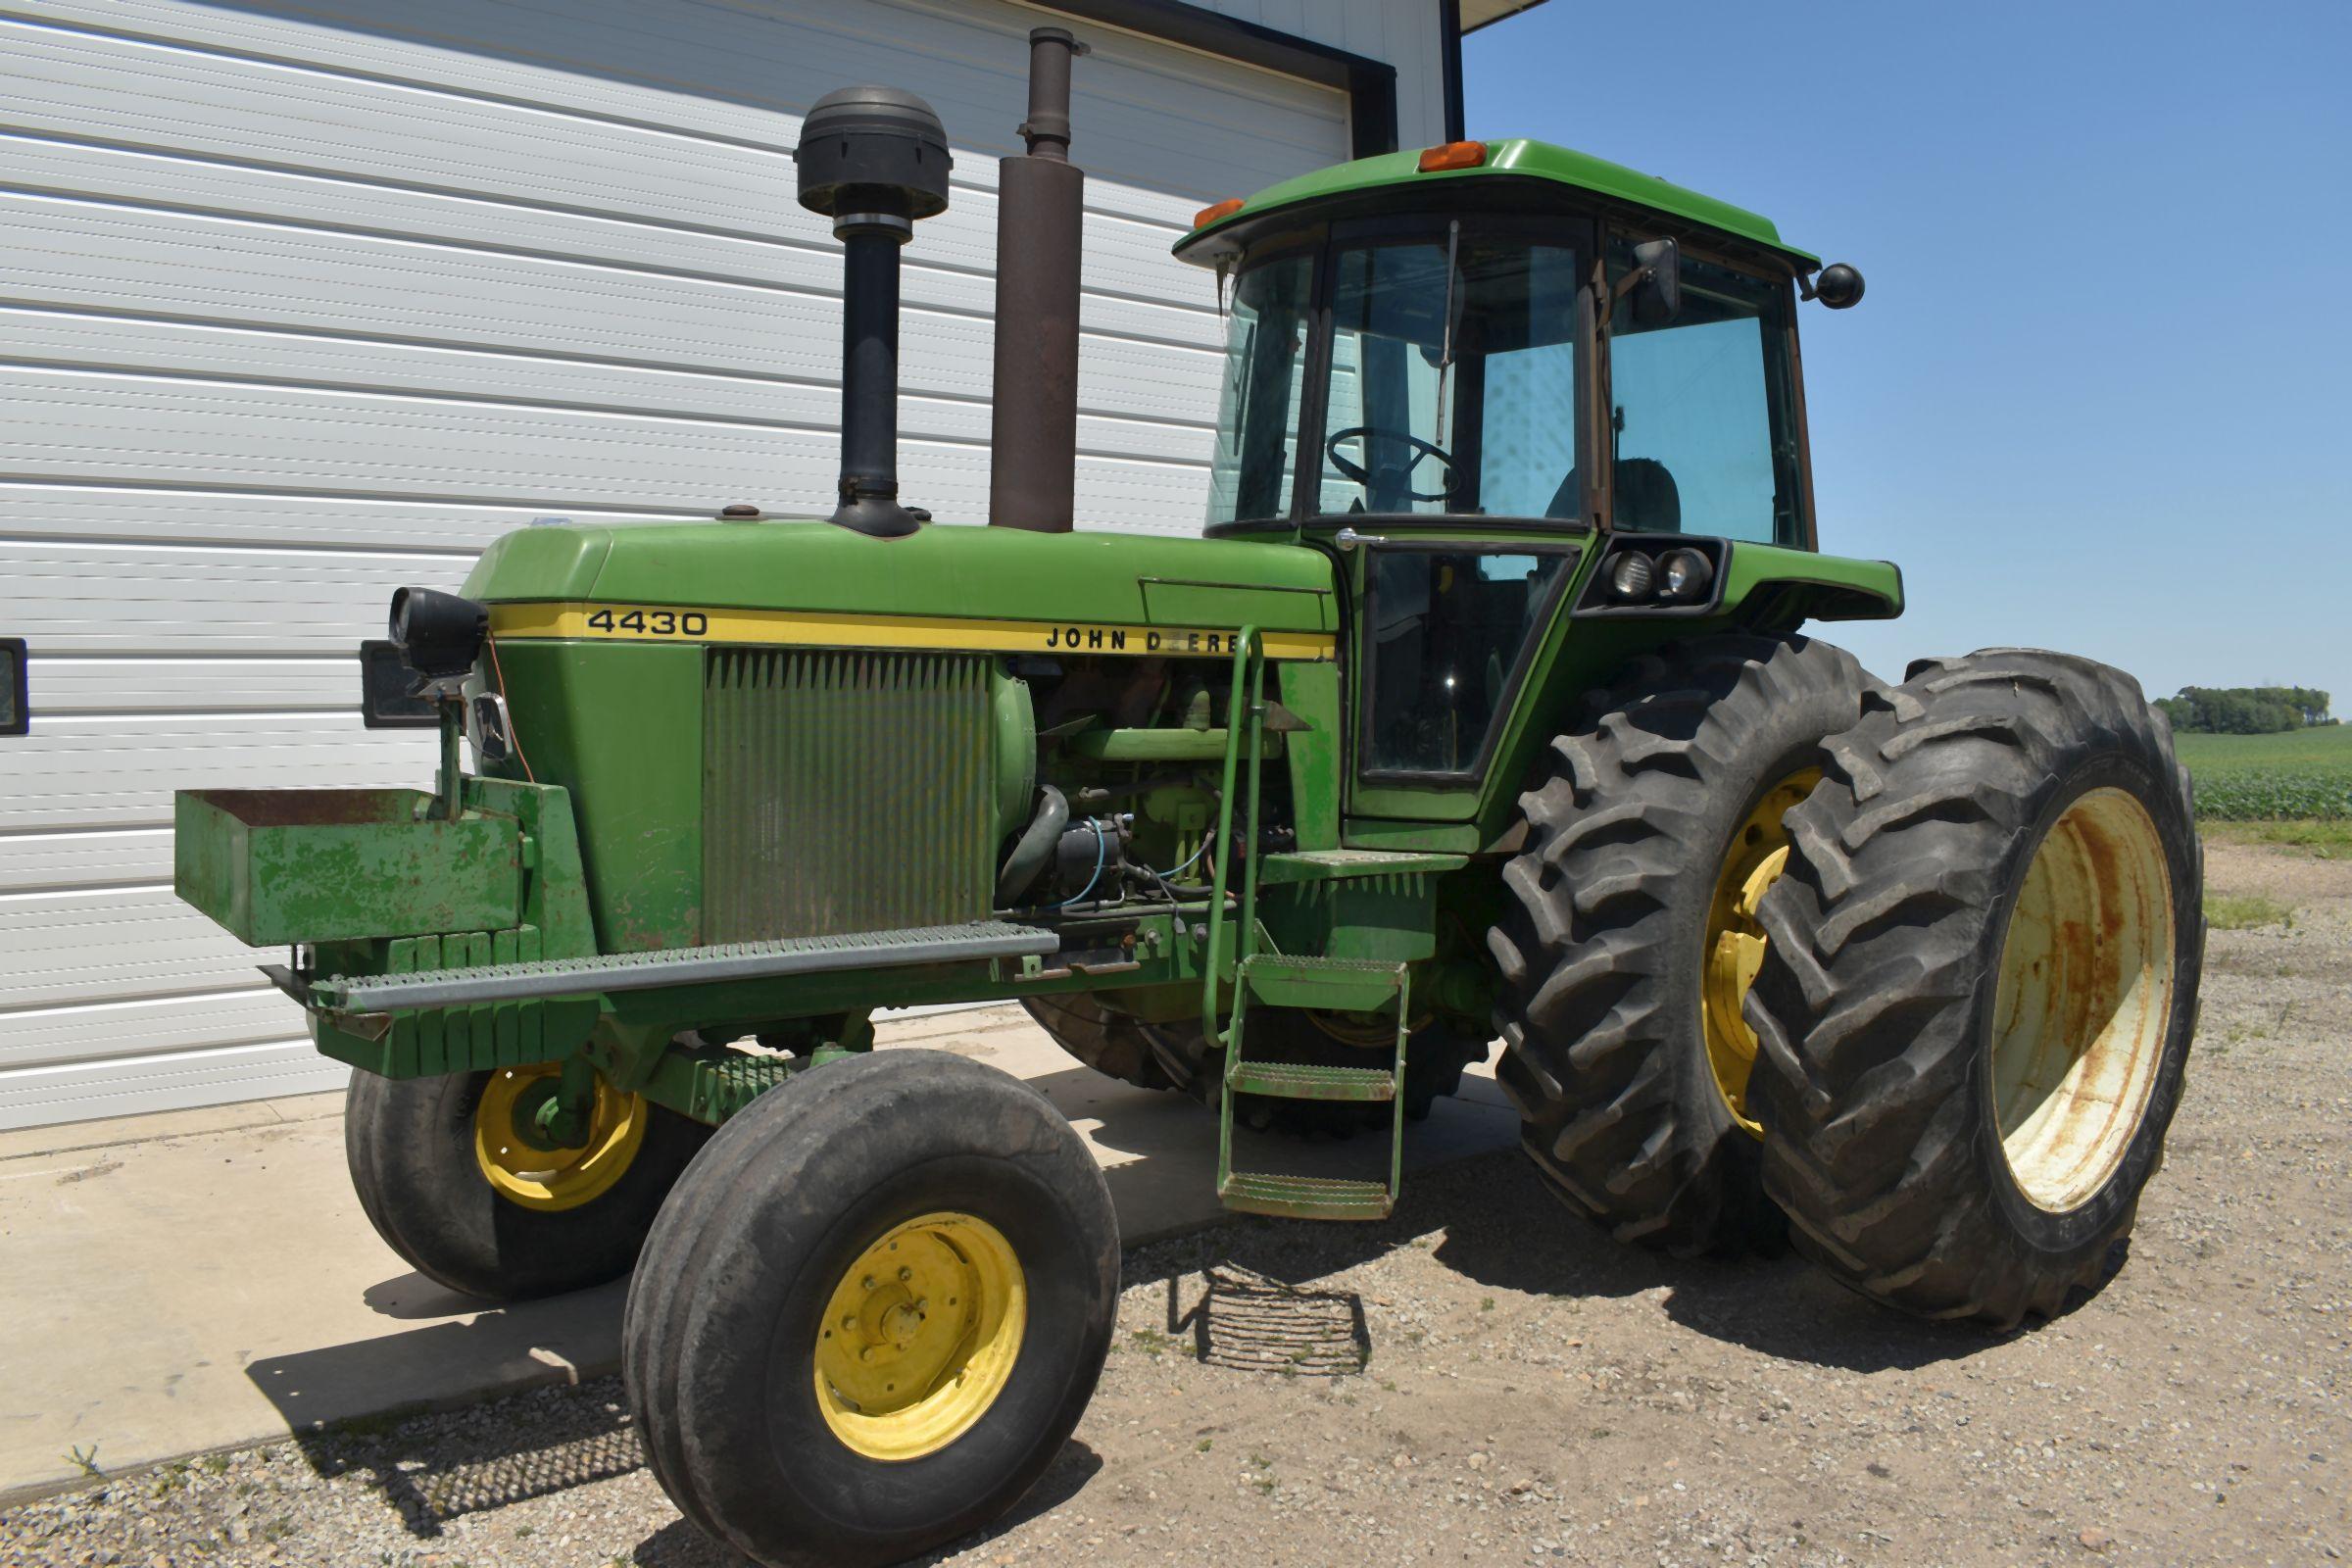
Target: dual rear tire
x=1628 y=926
x=1981 y=986
x=1957 y=924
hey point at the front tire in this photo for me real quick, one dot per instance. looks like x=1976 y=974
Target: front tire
x=1976 y=1006
x=447 y=1189
x=778 y=1264
x=1627 y=940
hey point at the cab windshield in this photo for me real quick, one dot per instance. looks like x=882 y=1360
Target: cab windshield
x=1451 y=371
x=1446 y=383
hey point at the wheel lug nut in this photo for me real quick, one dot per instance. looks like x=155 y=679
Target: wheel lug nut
x=867 y=1282
x=904 y=1273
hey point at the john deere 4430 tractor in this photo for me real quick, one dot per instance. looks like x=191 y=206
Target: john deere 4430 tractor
x=1485 y=709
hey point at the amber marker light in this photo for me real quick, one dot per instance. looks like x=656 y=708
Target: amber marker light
x=1209 y=215
x=1452 y=155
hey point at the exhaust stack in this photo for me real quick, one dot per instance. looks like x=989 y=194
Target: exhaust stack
x=873 y=159
x=1033 y=420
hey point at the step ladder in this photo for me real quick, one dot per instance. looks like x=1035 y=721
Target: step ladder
x=1341 y=984
x=1282 y=980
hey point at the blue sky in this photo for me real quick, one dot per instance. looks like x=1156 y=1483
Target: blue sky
x=2097 y=396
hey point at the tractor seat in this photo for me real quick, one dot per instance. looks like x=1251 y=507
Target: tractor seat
x=1647 y=499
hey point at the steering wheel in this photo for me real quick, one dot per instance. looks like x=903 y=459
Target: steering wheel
x=1421 y=449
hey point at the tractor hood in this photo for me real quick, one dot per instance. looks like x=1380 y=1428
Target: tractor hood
x=990 y=589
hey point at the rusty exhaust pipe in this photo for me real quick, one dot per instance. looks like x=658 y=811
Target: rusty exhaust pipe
x=1033 y=419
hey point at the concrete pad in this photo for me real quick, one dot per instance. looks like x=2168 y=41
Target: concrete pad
x=203 y=1279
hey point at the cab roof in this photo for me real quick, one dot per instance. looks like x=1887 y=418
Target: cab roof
x=1521 y=159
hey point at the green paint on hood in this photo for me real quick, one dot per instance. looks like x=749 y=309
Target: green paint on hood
x=1002 y=574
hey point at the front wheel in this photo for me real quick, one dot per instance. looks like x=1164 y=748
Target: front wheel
x=1976 y=1002
x=448 y=1172
x=872 y=1311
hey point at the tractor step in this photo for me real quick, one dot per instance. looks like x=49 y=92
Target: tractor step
x=1339 y=866
x=1306 y=1197
x=1323 y=985
x=1288 y=1080
x=681 y=966
x=1345 y=985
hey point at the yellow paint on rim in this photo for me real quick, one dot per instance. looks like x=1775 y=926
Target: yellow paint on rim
x=554 y=1179
x=1734 y=943
x=675 y=623
x=2084 y=999
x=920 y=1336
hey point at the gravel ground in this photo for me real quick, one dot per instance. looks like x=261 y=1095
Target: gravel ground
x=1484 y=1379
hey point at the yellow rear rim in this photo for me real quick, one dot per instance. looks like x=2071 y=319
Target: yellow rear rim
x=2084 y=999
x=1734 y=943
x=920 y=1336
x=552 y=1178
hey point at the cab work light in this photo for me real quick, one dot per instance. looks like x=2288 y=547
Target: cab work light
x=1452 y=155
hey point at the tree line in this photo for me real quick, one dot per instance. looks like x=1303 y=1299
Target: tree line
x=2246 y=709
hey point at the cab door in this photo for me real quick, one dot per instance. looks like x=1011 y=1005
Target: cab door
x=1445 y=631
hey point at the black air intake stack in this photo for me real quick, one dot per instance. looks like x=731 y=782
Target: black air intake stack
x=873 y=159
x=1033 y=423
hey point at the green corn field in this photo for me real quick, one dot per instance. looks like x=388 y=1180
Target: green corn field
x=2250 y=778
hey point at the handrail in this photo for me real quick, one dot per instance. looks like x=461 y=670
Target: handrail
x=1248 y=655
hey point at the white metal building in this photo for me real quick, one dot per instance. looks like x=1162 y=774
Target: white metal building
x=302 y=300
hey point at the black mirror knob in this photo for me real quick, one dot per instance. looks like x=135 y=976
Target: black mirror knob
x=1840 y=286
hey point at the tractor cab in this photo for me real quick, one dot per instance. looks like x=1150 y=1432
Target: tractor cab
x=1459 y=334
x=1463 y=372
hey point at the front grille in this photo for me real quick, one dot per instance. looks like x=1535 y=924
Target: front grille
x=843 y=791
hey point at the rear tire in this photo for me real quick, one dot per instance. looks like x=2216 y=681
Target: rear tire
x=743 y=1393
x=1138 y=1053
x=1604 y=946
x=1977 y=1004
x=1118 y=1044
x=411 y=1146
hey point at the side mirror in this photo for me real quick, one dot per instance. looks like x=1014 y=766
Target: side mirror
x=15 y=717
x=1658 y=282
x=1840 y=286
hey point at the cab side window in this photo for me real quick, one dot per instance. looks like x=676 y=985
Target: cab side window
x=1702 y=410
x=1445 y=632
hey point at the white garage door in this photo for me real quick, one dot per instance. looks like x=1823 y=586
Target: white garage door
x=299 y=303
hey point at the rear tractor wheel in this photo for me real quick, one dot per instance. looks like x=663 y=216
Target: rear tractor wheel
x=872 y=1311
x=1630 y=934
x=1976 y=1003
x=1177 y=1056
x=457 y=1179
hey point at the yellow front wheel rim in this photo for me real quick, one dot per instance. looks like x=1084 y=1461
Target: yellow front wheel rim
x=920 y=1336
x=552 y=1179
x=1756 y=857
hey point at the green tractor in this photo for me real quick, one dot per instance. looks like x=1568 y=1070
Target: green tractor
x=1485 y=709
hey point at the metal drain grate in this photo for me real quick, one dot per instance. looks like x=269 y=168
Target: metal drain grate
x=1254 y=1323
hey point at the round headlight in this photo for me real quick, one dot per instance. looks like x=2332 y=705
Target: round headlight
x=440 y=634
x=1631 y=575
x=1686 y=574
